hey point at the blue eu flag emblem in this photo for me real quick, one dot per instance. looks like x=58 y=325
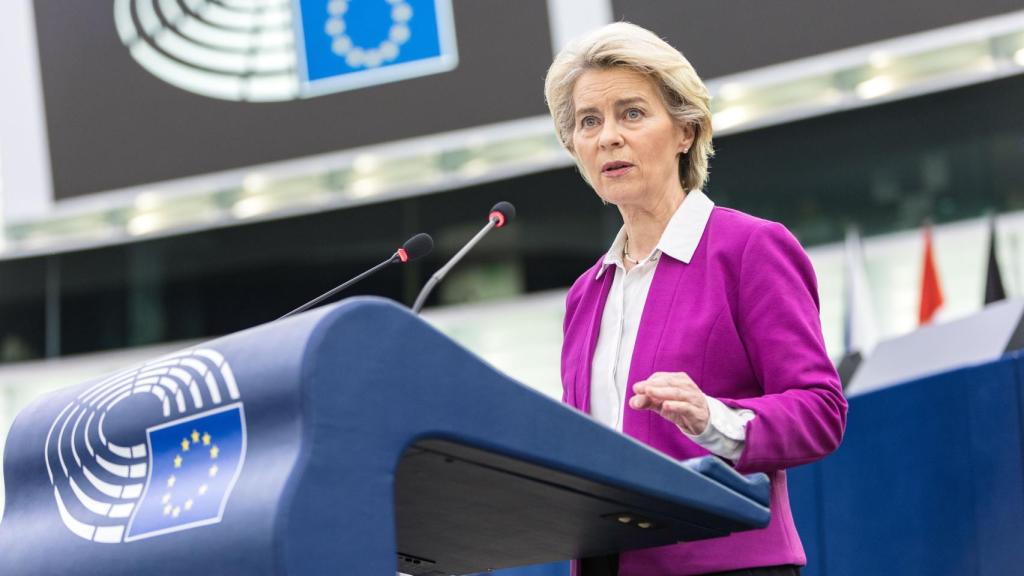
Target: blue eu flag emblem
x=194 y=464
x=347 y=44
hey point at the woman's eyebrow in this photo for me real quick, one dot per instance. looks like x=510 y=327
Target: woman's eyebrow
x=621 y=103
x=627 y=101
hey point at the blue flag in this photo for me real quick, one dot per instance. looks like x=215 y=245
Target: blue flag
x=347 y=44
x=194 y=463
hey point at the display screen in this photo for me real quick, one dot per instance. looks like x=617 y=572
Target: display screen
x=141 y=91
x=726 y=37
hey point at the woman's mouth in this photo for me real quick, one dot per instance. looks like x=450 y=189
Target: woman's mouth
x=616 y=168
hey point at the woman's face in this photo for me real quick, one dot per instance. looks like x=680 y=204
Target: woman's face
x=625 y=139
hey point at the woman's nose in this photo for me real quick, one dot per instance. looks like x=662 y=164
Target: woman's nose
x=610 y=136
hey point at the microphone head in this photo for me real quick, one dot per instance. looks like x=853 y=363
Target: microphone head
x=502 y=213
x=416 y=247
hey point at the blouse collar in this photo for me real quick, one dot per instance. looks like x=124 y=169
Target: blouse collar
x=681 y=235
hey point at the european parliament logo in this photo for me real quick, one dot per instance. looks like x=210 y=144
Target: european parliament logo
x=149 y=451
x=194 y=464
x=274 y=50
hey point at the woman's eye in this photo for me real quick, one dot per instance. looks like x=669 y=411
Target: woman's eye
x=588 y=122
x=634 y=114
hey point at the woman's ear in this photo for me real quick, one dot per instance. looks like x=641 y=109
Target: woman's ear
x=687 y=134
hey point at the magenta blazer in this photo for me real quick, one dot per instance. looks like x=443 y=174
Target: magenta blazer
x=742 y=320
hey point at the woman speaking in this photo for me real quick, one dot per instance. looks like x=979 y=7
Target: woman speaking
x=698 y=331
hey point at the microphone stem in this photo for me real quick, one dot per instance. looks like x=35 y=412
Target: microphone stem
x=440 y=274
x=337 y=289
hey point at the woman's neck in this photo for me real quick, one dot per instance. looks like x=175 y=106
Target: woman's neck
x=645 y=224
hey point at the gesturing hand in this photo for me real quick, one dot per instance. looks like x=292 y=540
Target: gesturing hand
x=676 y=397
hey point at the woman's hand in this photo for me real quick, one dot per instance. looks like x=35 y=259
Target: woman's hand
x=676 y=397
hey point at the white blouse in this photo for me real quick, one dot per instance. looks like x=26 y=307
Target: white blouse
x=726 y=431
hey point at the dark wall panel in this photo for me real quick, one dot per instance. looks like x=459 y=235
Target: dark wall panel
x=726 y=36
x=111 y=124
x=883 y=168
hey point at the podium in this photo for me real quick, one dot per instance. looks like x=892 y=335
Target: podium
x=354 y=439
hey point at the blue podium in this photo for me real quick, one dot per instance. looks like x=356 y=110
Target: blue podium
x=929 y=480
x=354 y=439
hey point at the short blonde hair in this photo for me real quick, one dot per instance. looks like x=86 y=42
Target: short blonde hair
x=625 y=45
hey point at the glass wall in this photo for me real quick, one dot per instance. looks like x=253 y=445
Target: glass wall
x=945 y=157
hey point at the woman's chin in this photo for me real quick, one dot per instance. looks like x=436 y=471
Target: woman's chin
x=622 y=197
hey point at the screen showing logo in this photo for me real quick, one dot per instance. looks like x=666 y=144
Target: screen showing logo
x=149 y=451
x=369 y=42
x=275 y=50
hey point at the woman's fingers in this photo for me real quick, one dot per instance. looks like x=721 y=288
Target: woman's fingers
x=684 y=410
x=671 y=392
x=686 y=415
x=641 y=402
x=669 y=379
x=661 y=379
x=676 y=397
x=656 y=398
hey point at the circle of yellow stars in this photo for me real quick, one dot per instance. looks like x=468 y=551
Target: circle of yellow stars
x=192 y=443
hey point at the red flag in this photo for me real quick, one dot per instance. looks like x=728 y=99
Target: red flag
x=931 y=291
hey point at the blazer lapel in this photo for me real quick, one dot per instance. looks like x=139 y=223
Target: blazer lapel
x=656 y=317
x=596 y=307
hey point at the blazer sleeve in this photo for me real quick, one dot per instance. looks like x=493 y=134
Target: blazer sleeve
x=801 y=415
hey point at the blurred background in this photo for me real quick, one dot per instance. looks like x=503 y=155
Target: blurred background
x=175 y=170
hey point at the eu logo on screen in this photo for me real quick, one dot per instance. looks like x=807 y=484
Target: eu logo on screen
x=347 y=44
x=195 y=462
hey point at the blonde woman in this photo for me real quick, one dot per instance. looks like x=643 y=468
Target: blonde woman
x=698 y=331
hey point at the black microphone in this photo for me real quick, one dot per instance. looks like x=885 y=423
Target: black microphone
x=500 y=215
x=414 y=248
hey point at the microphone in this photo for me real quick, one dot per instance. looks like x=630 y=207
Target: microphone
x=501 y=214
x=414 y=248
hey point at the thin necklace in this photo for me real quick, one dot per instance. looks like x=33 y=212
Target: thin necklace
x=625 y=252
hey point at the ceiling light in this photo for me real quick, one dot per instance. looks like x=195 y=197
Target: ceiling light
x=731 y=91
x=875 y=87
x=729 y=117
x=144 y=224
x=148 y=200
x=880 y=60
x=365 y=187
x=254 y=183
x=365 y=163
x=250 y=206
